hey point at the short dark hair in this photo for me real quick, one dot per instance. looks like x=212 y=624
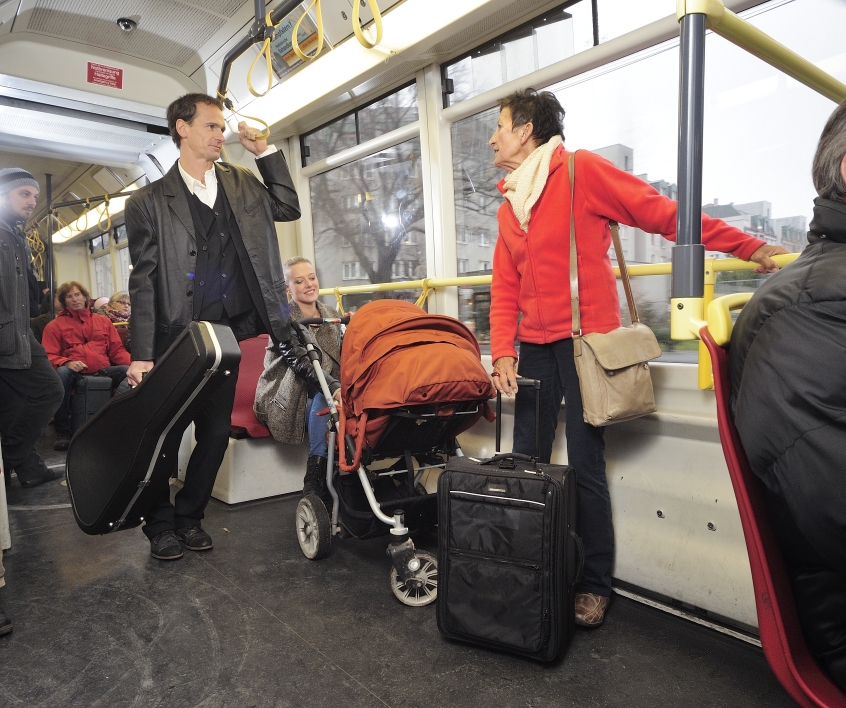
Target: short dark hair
x=830 y=151
x=541 y=109
x=185 y=108
x=65 y=288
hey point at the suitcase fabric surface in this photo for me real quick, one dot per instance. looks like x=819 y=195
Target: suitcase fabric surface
x=507 y=554
x=135 y=438
x=91 y=393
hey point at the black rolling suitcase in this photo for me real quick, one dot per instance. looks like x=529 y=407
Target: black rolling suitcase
x=507 y=552
x=90 y=394
x=135 y=438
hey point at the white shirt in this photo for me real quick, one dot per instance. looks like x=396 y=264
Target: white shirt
x=207 y=193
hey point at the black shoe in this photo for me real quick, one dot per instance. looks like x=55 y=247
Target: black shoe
x=62 y=441
x=195 y=539
x=48 y=476
x=165 y=546
x=5 y=624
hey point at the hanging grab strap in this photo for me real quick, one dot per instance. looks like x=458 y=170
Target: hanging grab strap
x=295 y=44
x=265 y=133
x=266 y=53
x=105 y=213
x=377 y=21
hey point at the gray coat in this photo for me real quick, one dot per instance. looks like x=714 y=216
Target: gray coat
x=281 y=395
x=15 y=351
x=163 y=248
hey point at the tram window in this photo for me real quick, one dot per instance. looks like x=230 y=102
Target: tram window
x=376 y=118
x=98 y=243
x=368 y=222
x=103 y=275
x=125 y=266
x=545 y=40
x=617 y=17
x=120 y=233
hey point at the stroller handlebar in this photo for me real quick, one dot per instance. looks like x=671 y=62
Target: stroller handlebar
x=323 y=320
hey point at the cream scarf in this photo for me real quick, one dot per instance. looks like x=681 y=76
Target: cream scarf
x=523 y=187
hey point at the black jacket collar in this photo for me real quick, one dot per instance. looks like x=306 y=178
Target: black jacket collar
x=829 y=221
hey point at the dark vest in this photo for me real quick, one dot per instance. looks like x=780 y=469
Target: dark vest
x=220 y=252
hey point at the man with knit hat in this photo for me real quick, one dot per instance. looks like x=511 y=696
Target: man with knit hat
x=29 y=386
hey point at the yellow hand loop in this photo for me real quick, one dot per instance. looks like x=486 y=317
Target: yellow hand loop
x=266 y=53
x=108 y=216
x=340 y=300
x=260 y=136
x=425 y=294
x=377 y=20
x=295 y=44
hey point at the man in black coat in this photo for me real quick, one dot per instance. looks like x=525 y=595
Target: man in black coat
x=203 y=246
x=788 y=373
x=30 y=390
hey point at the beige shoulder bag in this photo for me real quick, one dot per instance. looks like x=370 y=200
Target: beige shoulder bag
x=612 y=368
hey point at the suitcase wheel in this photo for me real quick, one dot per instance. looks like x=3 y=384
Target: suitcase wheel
x=313 y=527
x=422 y=588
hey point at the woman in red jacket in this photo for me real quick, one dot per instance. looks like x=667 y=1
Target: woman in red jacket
x=530 y=276
x=81 y=343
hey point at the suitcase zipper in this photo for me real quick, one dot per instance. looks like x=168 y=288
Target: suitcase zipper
x=455 y=492
x=526 y=565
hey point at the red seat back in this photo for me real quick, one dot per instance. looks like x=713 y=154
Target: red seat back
x=778 y=623
x=244 y=422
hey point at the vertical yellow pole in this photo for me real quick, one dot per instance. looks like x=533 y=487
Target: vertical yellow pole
x=705 y=375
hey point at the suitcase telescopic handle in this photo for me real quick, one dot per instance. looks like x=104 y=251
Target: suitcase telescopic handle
x=536 y=385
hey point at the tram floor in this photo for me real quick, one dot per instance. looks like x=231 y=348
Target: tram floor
x=253 y=623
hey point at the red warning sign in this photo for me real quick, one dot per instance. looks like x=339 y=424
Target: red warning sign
x=103 y=75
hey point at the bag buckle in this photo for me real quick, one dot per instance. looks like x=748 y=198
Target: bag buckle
x=507 y=464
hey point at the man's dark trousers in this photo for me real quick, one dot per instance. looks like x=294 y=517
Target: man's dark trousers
x=211 y=431
x=30 y=398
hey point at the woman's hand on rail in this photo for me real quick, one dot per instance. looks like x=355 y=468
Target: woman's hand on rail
x=247 y=135
x=763 y=257
x=505 y=375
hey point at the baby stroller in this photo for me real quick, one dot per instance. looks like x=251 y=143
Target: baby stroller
x=410 y=383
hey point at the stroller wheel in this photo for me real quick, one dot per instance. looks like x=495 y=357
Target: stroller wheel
x=313 y=527
x=420 y=590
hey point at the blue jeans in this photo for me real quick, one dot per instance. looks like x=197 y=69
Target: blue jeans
x=553 y=365
x=317 y=426
x=61 y=420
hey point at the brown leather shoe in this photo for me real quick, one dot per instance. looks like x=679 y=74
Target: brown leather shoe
x=590 y=609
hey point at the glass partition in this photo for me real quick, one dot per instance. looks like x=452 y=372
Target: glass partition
x=368 y=223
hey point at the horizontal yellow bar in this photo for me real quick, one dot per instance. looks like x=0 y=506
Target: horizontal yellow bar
x=720 y=265
x=746 y=36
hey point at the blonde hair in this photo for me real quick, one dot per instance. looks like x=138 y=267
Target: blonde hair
x=290 y=263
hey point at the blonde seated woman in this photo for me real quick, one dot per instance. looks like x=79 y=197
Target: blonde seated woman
x=288 y=395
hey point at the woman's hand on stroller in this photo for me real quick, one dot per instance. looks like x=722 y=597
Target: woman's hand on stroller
x=337 y=397
x=505 y=375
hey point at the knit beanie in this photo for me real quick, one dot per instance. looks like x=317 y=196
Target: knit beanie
x=14 y=177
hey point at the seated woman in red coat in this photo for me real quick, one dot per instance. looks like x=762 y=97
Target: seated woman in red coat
x=81 y=343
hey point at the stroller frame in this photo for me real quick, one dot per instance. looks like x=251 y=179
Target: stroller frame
x=414 y=573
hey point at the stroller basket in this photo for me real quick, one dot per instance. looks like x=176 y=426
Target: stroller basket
x=423 y=428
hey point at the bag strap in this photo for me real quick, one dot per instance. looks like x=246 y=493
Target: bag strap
x=574 y=270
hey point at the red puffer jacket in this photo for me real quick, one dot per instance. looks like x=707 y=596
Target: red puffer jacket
x=531 y=271
x=86 y=337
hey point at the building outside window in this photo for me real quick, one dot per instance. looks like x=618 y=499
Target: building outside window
x=368 y=215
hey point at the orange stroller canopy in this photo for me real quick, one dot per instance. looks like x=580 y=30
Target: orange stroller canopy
x=395 y=354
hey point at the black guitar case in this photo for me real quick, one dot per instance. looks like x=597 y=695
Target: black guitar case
x=134 y=440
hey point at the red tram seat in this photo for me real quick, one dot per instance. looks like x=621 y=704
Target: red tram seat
x=244 y=423
x=122 y=329
x=778 y=622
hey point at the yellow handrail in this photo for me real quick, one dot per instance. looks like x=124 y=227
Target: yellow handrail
x=712 y=267
x=746 y=36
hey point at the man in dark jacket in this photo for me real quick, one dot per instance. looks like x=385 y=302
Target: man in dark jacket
x=30 y=390
x=204 y=247
x=789 y=393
